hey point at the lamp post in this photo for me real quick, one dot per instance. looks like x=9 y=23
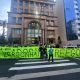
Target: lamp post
x=4 y=25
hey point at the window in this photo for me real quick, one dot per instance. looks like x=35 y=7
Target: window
x=26 y=10
x=78 y=23
x=78 y=18
x=46 y=6
x=78 y=34
x=79 y=29
x=33 y=31
x=76 y=4
x=76 y=8
x=21 y=3
x=51 y=7
x=51 y=14
x=32 y=5
x=13 y=20
x=77 y=13
x=15 y=4
x=37 y=5
x=26 y=3
x=20 y=20
x=36 y=31
x=15 y=10
x=47 y=22
x=46 y=9
x=42 y=7
x=16 y=32
x=52 y=23
x=20 y=10
x=47 y=13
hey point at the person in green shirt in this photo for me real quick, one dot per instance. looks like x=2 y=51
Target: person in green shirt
x=50 y=53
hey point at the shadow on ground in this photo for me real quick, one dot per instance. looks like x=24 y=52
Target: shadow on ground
x=5 y=64
x=76 y=60
x=73 y=76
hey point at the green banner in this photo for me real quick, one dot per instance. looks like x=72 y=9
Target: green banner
x=19 y=52
x=33 y=52
x=66 y=52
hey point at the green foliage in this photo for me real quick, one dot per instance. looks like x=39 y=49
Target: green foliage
x=3 y=40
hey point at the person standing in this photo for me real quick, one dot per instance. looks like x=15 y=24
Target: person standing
x=50 y=53
x=41 y=51
x=45 y=52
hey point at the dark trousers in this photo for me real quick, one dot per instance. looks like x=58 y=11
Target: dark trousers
x=41 y=55
x=45 y=56
x=51 y=56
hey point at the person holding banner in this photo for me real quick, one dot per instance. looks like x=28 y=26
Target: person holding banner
x=50 y=53
x=41 y=51
x=45 y=52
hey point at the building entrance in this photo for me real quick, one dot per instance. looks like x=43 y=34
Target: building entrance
x=33 y=33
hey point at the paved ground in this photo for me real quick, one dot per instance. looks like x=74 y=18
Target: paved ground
x=32 y=69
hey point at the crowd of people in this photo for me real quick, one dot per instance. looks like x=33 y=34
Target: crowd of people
x=44 y=54
x=47 y=54
x=43 y=51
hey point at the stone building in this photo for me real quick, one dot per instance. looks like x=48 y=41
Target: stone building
x=32 y=21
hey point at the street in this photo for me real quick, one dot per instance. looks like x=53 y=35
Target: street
x=38 y=69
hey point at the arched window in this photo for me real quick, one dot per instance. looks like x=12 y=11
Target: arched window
x=34 y=32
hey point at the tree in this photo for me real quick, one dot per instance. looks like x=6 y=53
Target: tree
x=3 y=41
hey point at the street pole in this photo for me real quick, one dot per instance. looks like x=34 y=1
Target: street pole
x=4 y=26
